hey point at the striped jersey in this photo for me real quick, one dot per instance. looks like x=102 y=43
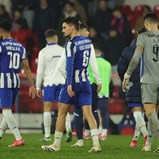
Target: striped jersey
x=78 y=50
x=11 y=55
x=48 y=59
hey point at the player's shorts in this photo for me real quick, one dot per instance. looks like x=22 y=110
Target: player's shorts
x=150 y=93
x=134 y=104
x=51 y=93
x=8 y=97
x=83 y=94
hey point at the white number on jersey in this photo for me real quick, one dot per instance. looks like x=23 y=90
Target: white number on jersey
x=14 y=60
x=85 y=58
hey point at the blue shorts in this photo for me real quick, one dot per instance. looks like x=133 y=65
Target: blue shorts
x=83 y=94
x=8 y=97
x=51 y=93
x=133 y=104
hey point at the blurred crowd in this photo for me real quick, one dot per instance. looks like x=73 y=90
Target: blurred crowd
x=112 y=24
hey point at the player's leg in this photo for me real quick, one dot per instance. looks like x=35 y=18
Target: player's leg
x=47 y=120
x=49 y=96
x=85 y=100
x=8 y=97
x=103 y=108
x=149 y=97
x=60 y=127
x=100 y=123
x=94 y=110
x=79 y=127
x=87 y=111
x=140 y=124
x=147 y=146
x=68 y=128
x=3 y=128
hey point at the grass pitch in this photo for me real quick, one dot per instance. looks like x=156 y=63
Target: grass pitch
x=115 y=147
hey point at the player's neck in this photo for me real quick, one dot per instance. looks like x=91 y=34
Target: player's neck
x=6 y=36
x=74 y=34
x=155 y=28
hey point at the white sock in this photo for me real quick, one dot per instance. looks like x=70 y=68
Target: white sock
x=68 y=122
x=94 y=135
x=57 y=138
x=150 y=135
x=104 y=132
x=87 y=132
x=154 y=123
x=140 y=122
x=3 y=127
x=100 y=130
x=10 y=120
x=47 y=123
x=136 y=133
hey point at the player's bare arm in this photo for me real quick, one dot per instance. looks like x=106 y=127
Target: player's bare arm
x=133 y=64
x=32 y=90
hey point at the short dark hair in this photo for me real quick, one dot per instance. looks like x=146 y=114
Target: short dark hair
x=73 y=21
x=6 y=25
x=84 y=26
x=50 y=33
x=151 y=17
x=141 y=30
x=118 y=8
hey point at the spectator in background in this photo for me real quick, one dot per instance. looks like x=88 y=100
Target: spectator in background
x=7 y=4
x=96 y=38
x=114 y=46
x=68 y=11
x=17 y=15
x=80 y=10
x=103 y=18
x=140 y=19
x=120 y=21
x=3 y=13
x=44 y=18
x=27 y=7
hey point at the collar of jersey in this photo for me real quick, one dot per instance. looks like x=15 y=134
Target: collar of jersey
x=51 y=44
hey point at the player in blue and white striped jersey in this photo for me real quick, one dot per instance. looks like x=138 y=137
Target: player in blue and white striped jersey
x=12 y=54
x=77 y=90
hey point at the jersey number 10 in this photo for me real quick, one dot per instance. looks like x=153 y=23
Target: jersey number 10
x=14 y=60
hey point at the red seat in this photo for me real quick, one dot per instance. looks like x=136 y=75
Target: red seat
x=116 y=106
x=127 y=131
x=156 y=10
x=127 y=10
x=35 y=106
x=138 y=10
x=132 y=20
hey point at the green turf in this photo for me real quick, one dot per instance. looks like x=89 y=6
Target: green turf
x=115 y=147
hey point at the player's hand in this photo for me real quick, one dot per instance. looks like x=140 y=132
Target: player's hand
x=125 y=84
x=70 y=92
x=99 y=87
x=39 y=93
x=32 y=92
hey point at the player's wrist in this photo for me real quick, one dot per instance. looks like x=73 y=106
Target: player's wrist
x=126 y=75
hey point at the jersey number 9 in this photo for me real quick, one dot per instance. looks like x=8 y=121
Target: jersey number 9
x=155 y=51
